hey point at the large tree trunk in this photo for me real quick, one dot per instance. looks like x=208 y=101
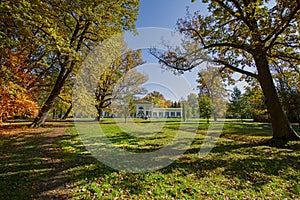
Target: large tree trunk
x=68 y=112
x=282 y=128
x=43 y=114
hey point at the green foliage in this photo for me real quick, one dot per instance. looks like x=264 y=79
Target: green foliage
x=62 y=33
x=288 y=87
x=240 y=105
x=238 y=36
x=205 y=107
x=193 y=102
x=190 y=107
x=211 y=85
x=157 y=99
x=256 y=99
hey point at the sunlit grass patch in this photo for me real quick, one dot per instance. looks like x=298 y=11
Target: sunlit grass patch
x=242 y=164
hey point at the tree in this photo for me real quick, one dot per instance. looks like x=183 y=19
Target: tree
x=117 y=78
x=128 y=88
x=211 y=84
x=186 y=110
x=256 y=99
x=193 y=103
x=205 y=107
x=249 y=33
x=239 y=104
x=288 y=87
x=63 y=32
x=16 y=86
x=158 y=99
x=246 y=108
x=235 y=102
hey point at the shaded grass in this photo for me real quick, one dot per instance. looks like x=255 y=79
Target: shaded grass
x=21 y=163
x=242 y=165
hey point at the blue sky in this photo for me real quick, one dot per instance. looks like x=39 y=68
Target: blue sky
x=164 y=14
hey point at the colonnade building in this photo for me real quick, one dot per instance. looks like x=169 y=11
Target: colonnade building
x=147 y=109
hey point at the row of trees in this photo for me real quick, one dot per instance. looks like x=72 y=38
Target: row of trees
x=247 y=105
x=42 y=45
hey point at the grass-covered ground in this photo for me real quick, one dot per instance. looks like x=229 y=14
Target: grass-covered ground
x=53 y=163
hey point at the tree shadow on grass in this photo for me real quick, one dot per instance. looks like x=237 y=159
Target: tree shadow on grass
x=248 y=162
x=253 y=161
x=31 y=167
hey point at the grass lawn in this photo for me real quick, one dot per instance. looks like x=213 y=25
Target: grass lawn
x=53 y=163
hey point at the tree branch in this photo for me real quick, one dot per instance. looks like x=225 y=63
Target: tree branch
x=284 y=24
x=236 y=69
x=240 y=11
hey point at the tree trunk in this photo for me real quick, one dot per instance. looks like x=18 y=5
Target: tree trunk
x=53 y=114
x=43 y=114
x=68 y=112
x=99 y=114
x=59 y=83
x=215 y=118
x=282 y=128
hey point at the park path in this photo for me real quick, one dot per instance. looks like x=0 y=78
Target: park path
x=32 y=149
x=55 y=187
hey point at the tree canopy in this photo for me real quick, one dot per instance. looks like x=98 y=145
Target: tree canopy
x=247 y=36
x=60 y=33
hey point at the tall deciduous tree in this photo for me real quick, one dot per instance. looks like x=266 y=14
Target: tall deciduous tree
x=212 y=85
x=16 y=86
x=288 y=87
x=126 y=91
x=119 y=80
x=193 y=102
x=256 y=99
x=63 y=31
x=205 y=107
x=157 y=99
x=243 y=34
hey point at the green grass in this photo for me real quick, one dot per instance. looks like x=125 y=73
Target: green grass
x=21 y=165
x=241 y=166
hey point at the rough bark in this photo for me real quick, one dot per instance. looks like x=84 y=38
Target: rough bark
x=282 y=128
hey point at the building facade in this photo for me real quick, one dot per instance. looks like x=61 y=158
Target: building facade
x=147 y=110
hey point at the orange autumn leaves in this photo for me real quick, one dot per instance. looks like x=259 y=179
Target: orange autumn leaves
x=16 y=89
